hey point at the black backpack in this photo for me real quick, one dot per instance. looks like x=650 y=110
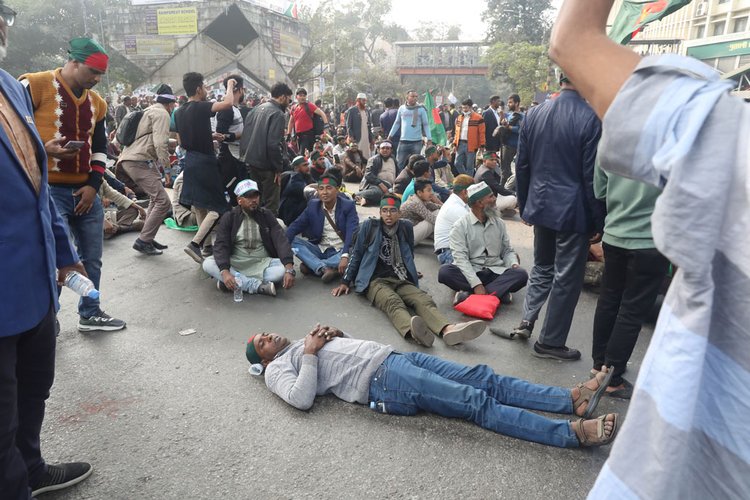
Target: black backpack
x=129 y=127
x=317 y=121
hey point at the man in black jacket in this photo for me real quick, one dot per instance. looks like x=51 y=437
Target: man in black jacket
x=262 y=147
x=251 y=250
x=493 y=116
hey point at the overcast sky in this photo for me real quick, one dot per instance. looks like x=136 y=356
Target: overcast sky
x=411 y=14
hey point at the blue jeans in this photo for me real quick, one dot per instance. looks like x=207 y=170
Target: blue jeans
x=465 y=161
x=274 y=273
x=445 y=257
x=406 y=149
x=87 y=233
x=313 y=258
x=409 y=382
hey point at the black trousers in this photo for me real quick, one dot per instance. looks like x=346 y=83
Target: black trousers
x=511 y=280
x=27 y=370
x=306 y=142
x=506 y=159
x=630 y=284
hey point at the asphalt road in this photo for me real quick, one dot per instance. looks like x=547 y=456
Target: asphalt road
x=165 y=416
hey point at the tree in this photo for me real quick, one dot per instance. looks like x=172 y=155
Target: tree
x=439 y=31
x=523 y=66
x=518 y=21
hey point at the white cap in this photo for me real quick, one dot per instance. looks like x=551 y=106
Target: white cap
x=361 y=95
x=244 y=187
x=478 y=191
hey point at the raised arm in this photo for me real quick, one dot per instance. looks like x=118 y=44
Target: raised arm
x=596 y=65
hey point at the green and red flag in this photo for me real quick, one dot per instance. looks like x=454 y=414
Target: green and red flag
x=291 y=11
x=433 y=118
x=634 y=15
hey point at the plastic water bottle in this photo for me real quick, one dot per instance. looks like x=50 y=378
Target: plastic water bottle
x=238 y=291
x=81 y=285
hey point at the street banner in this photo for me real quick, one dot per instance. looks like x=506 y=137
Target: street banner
x=433 y=118
x=634 y=15
x=177 y=21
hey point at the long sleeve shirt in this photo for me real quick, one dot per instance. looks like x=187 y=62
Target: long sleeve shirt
x=344 y=367
x=410 y=129
x=152 y=138
x=476 y=246
x=417 y=210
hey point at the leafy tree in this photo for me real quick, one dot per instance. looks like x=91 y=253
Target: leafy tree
x=518 y=20
x=522 y=66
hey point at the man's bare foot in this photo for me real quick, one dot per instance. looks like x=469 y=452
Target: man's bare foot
x=588 y=393
x=596 y=432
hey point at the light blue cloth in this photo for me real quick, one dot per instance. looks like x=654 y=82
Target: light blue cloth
x=674 y=125
x=403 y=123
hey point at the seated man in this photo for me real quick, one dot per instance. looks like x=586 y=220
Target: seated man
x=293 y=199
x=380 y=174
x=353 y=163
x=421 y=211
x=484 y=260
x=328 y=361
x=182 y=215
x=406 y=175
x=452 y=210
x=329 y=223
x=250 y=241
x=440 y=172
x=319 y=164
x=488 y=174
x=382 y=266
x=340 y=147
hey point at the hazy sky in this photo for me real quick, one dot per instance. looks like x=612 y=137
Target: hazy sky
x=411 y=14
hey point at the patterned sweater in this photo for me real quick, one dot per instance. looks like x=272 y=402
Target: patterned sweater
x=58 y=112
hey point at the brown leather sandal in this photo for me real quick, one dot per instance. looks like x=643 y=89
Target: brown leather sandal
x=600 y=439
x=591 y=396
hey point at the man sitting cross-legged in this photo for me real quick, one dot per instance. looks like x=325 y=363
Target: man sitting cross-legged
x=483 y=259
x=328 y=361
x=382 y=266
x=421 y=211
x=329 y=223
x=250 y=241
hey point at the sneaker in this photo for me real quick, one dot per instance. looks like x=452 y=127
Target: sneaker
x=207 y=251
x=420 y=332
x=158 y=245
x=523 y=331
x=463 y=332
x=507 y=298
x=102 y=322
x=267 y=288
x=61 y=476
x=194 y=251
x=560 y=353
x=460 y=297
x=304 y=269
x=146 y=248
x=221 y=286
x=330 y=274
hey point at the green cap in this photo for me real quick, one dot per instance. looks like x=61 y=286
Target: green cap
x=89 y=52
x=251 y=353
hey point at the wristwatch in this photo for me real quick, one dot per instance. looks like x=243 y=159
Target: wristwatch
x=291 y=271
x=344 y=255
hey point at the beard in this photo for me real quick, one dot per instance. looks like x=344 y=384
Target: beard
x=492 y=211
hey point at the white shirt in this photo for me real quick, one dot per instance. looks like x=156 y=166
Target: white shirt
x=453 y=209
x=465 y=127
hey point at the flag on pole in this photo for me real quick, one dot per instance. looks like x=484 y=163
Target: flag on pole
x=634 y=15
x=291 y=11
x=433 y=118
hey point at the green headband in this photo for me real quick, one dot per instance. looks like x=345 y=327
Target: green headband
x=478 y=195
x=390 y=201
x=328 y=181
x=251 y=353
x=457 y=188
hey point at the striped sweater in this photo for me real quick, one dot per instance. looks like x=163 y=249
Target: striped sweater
x=58 y=112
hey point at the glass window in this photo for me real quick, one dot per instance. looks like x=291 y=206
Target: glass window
x=717 y=28
x=700 y=31
x=726 y=64
x=740 y=24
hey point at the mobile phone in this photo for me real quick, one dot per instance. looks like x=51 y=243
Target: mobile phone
x=74 y=145
x=336 y=158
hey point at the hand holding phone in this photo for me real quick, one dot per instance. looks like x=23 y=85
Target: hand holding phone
x=74 y=145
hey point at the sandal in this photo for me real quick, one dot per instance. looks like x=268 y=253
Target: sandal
x=591 y=396
x=600 y=439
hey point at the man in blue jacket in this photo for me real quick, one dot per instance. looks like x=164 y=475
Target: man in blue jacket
x=36 y=254
x=555 y=181
x=382 y=266
x=329 y=223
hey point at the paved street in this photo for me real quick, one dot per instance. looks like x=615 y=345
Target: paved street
x=165 y=416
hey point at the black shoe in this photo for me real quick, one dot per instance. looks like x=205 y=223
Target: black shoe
x=523 y=331
x=102 y=322
x=459 y=297
x=158 y=245
x=146 y=248
x=561 y=353
x=61 y=476
x=222 y=287
x=194 y=251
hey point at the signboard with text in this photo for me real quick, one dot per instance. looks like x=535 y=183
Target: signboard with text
x=177 y=21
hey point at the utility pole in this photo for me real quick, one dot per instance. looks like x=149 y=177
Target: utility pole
x=335 y=38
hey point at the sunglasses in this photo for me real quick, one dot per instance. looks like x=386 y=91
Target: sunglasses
x=8 y=15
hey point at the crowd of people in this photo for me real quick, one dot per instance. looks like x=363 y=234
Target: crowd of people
x=264 y=183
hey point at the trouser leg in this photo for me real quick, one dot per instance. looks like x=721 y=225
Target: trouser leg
x=423 y=305
x=452 y=277
x=511 y=280
x=149 y=180
x=542 y=273
x=382 y=295
x=207 y=222
x=610 y=295
x=422 y=231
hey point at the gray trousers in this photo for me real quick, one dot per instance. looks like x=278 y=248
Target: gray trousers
x=149 y=179
x=559 y=265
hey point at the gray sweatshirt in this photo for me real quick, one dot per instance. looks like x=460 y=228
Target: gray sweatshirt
x=343 y=367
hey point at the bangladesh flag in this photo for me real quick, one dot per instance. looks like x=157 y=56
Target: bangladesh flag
x=291 y=11
x=634 y=15
x=433 y=118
